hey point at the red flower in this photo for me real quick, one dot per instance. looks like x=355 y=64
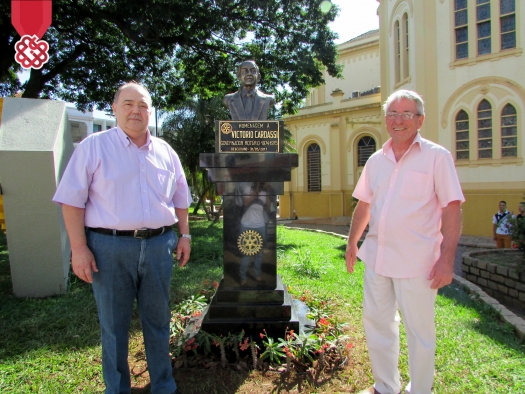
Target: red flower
x=261 y=335
x=215 y=284
x=244 y=345
x=323 y=322
x=197 y=313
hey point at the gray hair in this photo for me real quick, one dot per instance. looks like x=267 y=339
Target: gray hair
x=132 y=83
x=399 y=95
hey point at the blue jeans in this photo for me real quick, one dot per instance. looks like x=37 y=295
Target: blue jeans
x=245 y=261
x=130 y=268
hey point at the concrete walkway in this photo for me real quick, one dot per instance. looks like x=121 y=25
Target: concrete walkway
x=467 y=243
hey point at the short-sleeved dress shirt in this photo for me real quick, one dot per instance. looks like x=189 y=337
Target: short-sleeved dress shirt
x=406 y=200
x=121 y=186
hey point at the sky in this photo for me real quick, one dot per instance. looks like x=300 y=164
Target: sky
x=355 y=18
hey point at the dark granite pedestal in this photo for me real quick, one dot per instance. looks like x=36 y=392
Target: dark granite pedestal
x=251 y=296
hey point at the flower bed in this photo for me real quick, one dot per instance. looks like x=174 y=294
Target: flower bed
x=505 y=282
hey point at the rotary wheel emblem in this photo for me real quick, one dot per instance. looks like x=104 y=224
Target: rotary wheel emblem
x=250 y=242
x=226 y=128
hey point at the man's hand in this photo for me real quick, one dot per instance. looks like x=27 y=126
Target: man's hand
x=183 y=251
x=442 y=273
x=360 y=219
x=83 y=263
x=443 y=269
x=351 y=257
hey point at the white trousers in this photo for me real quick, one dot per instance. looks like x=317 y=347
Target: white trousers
x=415 y=299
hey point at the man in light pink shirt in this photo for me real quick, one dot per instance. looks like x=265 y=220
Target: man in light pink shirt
x=121 y=193
x=409 y=195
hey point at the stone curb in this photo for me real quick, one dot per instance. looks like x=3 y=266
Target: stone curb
x=509 y=317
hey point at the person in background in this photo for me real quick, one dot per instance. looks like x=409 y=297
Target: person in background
x=121 y=193
x=519 y=221
x=500 y=227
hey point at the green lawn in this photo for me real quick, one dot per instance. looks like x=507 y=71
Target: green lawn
x=52 y=345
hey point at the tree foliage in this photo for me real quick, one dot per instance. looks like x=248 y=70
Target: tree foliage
x=177 y=48
x=190 y=130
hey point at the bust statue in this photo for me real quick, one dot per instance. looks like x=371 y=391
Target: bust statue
x=248 y=103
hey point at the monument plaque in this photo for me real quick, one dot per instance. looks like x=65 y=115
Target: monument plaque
x=249 y=136
x=249 y=168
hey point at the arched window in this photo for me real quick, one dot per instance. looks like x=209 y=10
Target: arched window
x=397 y=52
x=483 y=26
x=484 y=130
x=509 y=132
x=507 y=11
x=365 y=147
x=405 y=49
x=313 y=159
x=461 y=28
x=462 y=136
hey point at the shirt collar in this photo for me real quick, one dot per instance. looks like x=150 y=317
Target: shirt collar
x=126 y=141
x=387 y=146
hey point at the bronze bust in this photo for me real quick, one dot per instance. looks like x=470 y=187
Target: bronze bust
x=248 y=103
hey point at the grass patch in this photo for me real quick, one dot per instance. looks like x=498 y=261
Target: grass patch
x=511 y=259
x=52 y=345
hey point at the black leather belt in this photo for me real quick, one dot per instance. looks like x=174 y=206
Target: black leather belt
x=138 y=233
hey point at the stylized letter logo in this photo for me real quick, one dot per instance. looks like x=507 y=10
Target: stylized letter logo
x=31 y=53
x=31 y=19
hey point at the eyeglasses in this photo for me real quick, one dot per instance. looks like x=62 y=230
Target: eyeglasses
x=404 y=115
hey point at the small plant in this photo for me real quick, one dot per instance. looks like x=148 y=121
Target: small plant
x=305 y=265
x=323 y=349
x=272 y=349
x=189 y=310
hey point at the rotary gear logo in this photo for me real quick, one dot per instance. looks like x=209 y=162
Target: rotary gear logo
x=226 y=128
x=250 y=242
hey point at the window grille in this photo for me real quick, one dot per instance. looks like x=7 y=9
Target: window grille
x=507 y=10
x=484 y=130
x=365 y=148
x=313 y=158
x=405 y=52
x=398 y=52
x=462 y=136
x=509 y=132
x=461 y=28
x=483 y=26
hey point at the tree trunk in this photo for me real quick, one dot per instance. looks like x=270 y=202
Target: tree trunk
x=34 y=84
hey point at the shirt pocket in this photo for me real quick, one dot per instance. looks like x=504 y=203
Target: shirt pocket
x=164 y=183
x=416 y=185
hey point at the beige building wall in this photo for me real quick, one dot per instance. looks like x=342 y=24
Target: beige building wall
x=415 y=49
x=335 y=117
x=35 y=146
x=450 y=84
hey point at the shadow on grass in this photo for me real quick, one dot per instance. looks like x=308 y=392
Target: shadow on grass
x=489 y=322
x=70 y=321
x=198 y=381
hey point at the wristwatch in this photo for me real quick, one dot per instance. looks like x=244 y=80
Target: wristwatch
x=186 y=236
